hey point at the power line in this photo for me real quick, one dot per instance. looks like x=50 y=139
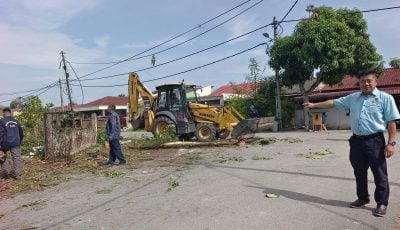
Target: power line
x=181 y=43
x=183 y=57
x=44 y=89
x=171 y=39
x=282 y=21
x=182 y=72
x=24 y=91
x=76 y=75
x=291 y=8
x=200 y=51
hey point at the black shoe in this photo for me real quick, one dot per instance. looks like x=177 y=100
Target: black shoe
x=380 y=210
x=122 y=163
x=358 y=203
x=109 y=163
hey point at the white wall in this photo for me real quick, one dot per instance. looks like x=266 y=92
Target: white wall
x=336 y=119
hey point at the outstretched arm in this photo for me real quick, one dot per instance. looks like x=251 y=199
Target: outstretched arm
x=322 y=105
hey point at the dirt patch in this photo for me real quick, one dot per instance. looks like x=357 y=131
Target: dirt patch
x=40 y=174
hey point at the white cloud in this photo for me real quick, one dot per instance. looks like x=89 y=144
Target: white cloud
x=44 y=14
x=241 y=26
x=39 y=49
x=29 y=36
x=102 y=41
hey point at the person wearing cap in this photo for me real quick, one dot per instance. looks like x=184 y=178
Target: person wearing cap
x=11 y=135
x=372 y=111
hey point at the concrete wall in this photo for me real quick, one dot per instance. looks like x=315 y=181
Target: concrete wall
x=64 y=136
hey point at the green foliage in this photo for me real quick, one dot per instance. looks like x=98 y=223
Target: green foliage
x=240 y=103
x=101 y=136
x=335 y=42
x=264 y=100
x=395 y=63
x=172 y=184
x=31 y=119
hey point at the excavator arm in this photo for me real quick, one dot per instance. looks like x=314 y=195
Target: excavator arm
x=136 y=90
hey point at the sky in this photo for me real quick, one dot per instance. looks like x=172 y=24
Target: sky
x=34 y=32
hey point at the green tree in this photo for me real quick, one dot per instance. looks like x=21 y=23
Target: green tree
x=333 y=42
x=31 y=118
x=255 y=75
x=16 y=103
x=395 y=63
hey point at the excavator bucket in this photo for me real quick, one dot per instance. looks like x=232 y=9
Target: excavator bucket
x=246 y=126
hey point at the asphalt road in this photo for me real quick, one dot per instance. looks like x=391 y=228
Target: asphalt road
x=225 y=188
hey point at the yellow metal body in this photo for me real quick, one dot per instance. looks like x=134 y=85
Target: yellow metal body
x=222 y=117
x=142 y=105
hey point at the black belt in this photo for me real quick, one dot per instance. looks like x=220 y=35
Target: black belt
x=363 y=137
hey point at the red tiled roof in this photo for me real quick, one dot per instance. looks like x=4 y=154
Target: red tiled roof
x=243 y=88
x=390 y=77
x=109 y=100
x=389 y=82
x=105 y=101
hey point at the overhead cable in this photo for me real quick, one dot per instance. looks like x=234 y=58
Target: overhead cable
x=182 y=72
x=181 y=43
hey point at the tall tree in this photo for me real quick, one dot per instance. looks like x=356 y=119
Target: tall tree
x=256 y=74
x=395 y=63
x=333 y=42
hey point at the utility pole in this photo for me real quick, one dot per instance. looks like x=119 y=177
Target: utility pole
x=61 y=96
x=67 y=79
x=278 y=117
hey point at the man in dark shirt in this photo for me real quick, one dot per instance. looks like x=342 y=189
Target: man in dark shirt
x=11 y=136
x=113 y=131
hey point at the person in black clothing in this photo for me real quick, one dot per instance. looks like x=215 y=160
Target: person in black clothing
x=113 y=131
x=11 y=135
x=253 y=113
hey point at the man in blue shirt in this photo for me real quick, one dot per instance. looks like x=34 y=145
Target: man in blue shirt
x=113 y=131
x=11 y=135
x=371 y=112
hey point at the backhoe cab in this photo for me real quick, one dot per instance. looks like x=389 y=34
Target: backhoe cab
x=175 y=111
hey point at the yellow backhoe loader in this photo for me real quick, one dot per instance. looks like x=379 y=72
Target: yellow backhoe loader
x=174 y=110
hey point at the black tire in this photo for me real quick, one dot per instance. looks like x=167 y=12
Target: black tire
x=205 y=132
x=223 y=134
x=163 y=126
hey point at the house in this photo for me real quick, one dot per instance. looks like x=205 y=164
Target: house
x=223 y=93
x=388 y=81
x=99 y=107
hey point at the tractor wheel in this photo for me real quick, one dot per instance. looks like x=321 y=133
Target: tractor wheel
x=163 y=127
x=223 y=134
x=205 y=132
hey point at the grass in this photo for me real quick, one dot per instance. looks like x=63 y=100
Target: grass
x=316 y=155
x=36 y=205
x=40 y=174
x=291 y=140
x=223 y=159
x=112 y=174
x=257 y=158
x=172 y=184
x=268 y=141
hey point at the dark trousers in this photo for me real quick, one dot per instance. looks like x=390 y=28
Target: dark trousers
x=368 y=152
x=116 y=152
